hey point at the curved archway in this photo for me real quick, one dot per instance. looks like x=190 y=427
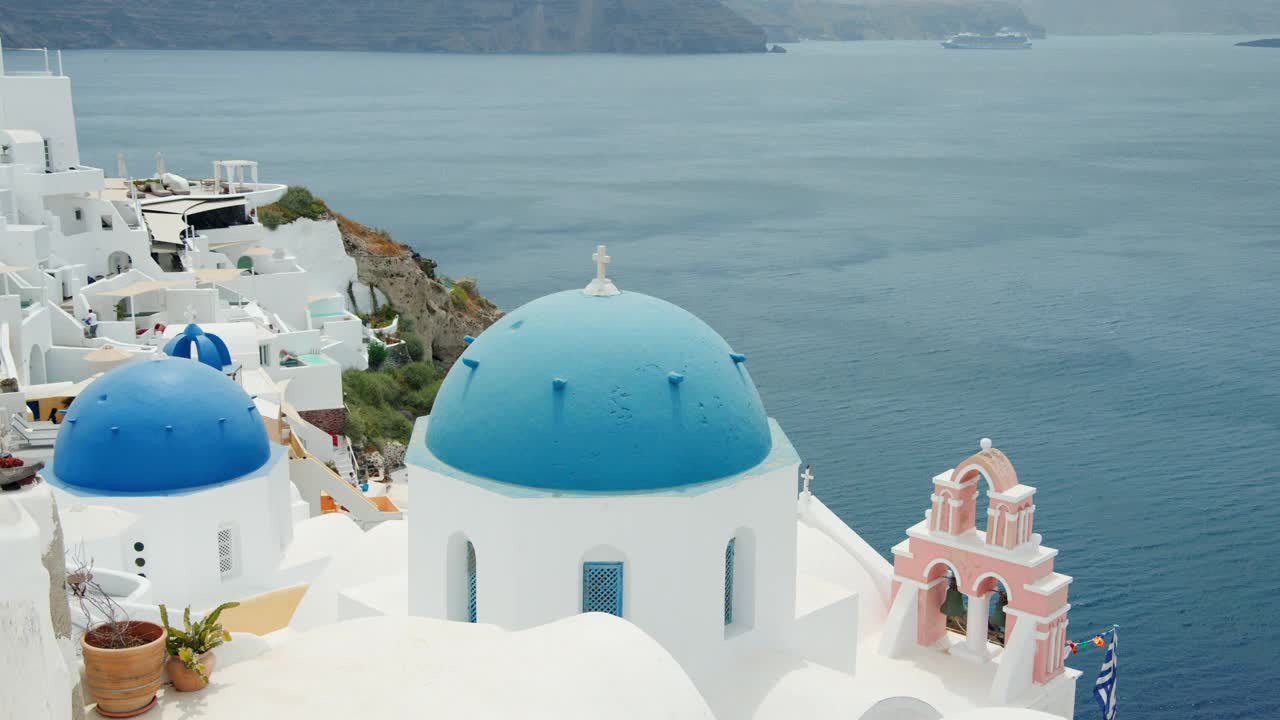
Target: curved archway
x=994 y=467
x=990 y=582
x=119 y=262
x=35 y=366
x=901 y=708
x=931 y=573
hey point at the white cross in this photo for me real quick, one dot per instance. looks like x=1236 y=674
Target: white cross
x=600 y=285
x=807 y=476
x=601 y=260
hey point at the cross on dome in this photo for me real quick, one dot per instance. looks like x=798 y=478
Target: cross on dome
x=807 y=476
x=601 y=285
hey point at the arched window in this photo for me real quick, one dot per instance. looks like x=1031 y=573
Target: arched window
x=471 y=582
x=739 y=582
x=461 y=580
x=728 y=581
x=602 y=588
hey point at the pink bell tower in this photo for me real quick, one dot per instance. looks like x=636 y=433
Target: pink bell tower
x=1005 y=554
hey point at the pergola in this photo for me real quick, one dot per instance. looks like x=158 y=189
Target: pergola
x=235 y=173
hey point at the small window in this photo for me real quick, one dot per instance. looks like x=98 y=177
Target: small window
x=471 y=582
x=106 y=222
x=728 y=581
x=227 y=565
x=602 y=587
x=79 y=214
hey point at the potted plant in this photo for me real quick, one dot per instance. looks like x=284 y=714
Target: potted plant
x=123 y=658
x=190 y=650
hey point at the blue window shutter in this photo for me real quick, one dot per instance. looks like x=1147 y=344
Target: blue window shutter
x=728 y=581
x=602 y=587
x=471 y=582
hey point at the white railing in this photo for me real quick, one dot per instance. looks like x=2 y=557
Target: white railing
x=46 y=70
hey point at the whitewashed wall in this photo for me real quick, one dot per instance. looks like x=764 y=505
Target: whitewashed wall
x=530 y=551
x=179 y=534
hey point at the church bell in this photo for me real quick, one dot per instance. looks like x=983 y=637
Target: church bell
x=953 y=605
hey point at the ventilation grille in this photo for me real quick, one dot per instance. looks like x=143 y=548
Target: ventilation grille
x=226 y=552
x=728 y=581
x=602 y=588
x=471 y=582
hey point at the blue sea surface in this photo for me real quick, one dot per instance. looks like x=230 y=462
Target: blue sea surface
x=1072 y=250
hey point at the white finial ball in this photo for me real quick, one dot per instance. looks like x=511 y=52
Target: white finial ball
x=985 y=443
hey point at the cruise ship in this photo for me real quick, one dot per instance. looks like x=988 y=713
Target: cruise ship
x=1006 y=39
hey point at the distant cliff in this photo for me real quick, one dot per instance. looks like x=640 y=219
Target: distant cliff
x=789 y=20
x=470 y=26
x=1084 y=17
x=1268 y=42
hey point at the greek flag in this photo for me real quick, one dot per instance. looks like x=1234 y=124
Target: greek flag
x=1105 y=687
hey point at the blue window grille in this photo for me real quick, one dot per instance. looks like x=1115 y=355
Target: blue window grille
x=728 y=581
x=471 y=582
x=602 y=587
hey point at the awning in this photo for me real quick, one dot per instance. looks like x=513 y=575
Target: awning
x=138 y=288
x=165 y=228
x=188 y=206
x=216 y=275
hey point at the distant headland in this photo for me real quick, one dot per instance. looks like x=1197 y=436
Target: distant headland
x=1268 y=42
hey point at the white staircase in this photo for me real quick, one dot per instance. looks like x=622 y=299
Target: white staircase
x=344 y=461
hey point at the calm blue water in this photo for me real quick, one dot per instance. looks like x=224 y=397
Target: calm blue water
x=1072 y=250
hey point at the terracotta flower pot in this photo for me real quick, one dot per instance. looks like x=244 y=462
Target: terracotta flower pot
x=124 y=682
x=186 y=680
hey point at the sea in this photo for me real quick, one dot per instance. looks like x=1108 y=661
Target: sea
x=1073 y=251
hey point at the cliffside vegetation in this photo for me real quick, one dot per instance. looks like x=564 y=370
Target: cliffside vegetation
x=435 y=314
x=298 y=202
x=383 y=401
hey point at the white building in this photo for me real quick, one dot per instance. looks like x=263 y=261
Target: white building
x=98 y=271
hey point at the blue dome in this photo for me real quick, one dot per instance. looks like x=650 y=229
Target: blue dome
x=156 y=427
x=599 y=394
x=210 y=349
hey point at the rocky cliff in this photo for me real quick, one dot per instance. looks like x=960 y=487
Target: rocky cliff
x=534 y=26
x=441 y=316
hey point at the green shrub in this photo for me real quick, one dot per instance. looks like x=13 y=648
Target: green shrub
x=382 y=404
x=271 y=217
x=413 y=346
x=418 y=375
x=459 y=297
x=377 y=355
x=299 y=202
